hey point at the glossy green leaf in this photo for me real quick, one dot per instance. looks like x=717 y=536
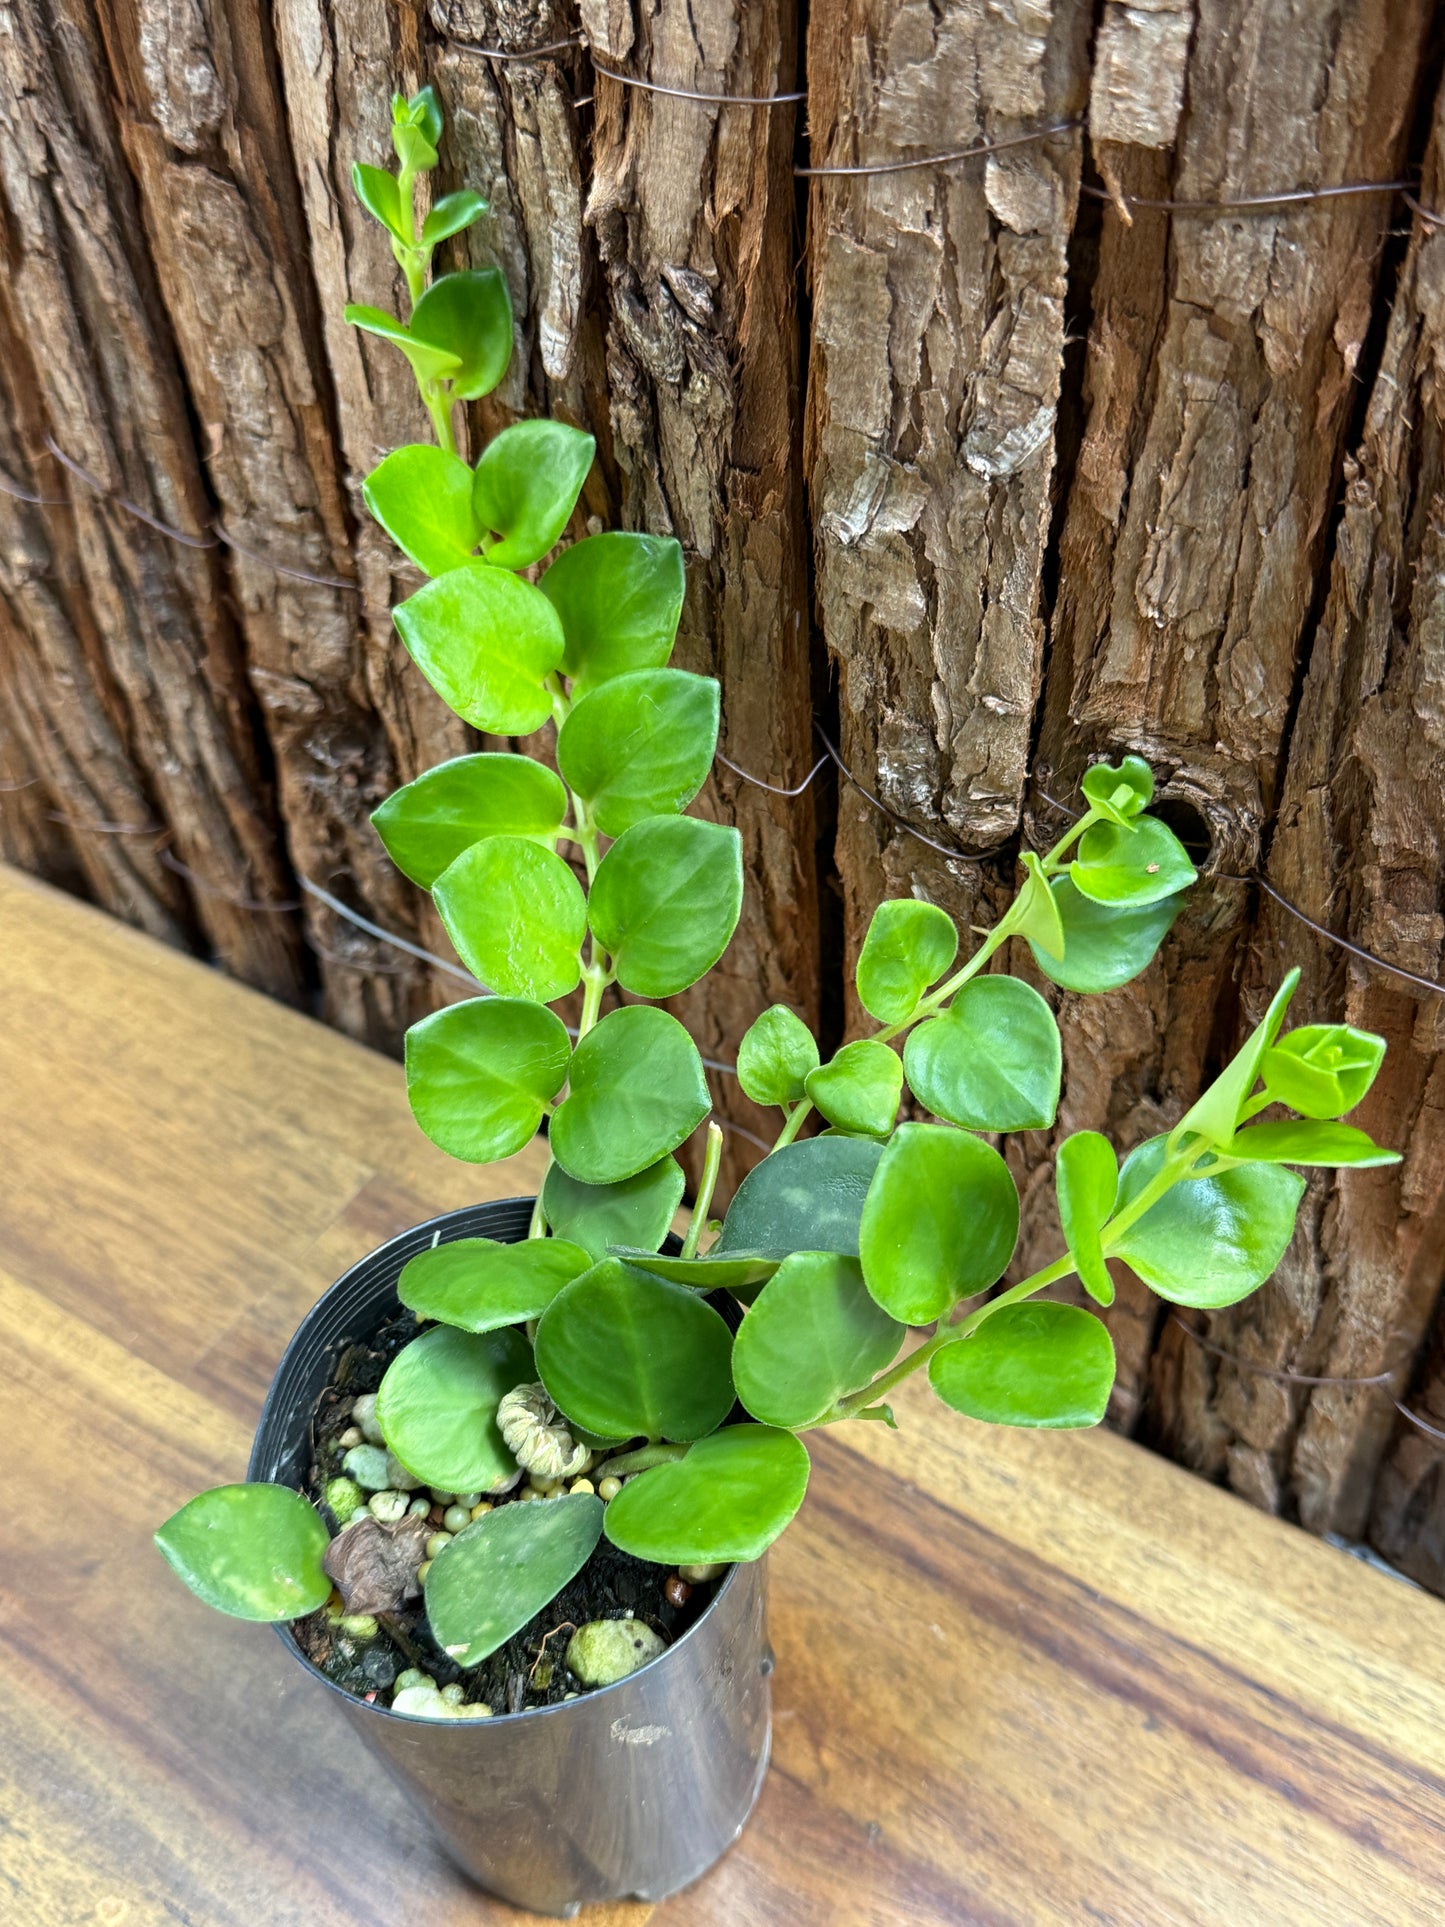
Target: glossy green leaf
x=734 y=1271
x=1309 y=1143
x=726 y=1501
x=1209 y=1241
x=413 y=149
x=1045 y=1366
x=253 y=1551
x=1086 y=1182
x=637 y=1090
x=478 y=1074
x=1105 y=945
x=470 y=316
x=526 y=487
x=427 y=824
x=665 y=902
x=940 y=1222
x=1119 y=790
x=517 y=916
x=499 y=1573
x=992 y=1062
x=638 y=1212
x=813 y=1334
x=437 y=1405
x=423 y=111
x=1215 y=1115
x=619 y=596
x=431 y=361
x=485 y=639
x=627 y=1354
x=1322 y=1070
x=909 y=946
x=378 y=193
x=450 y=215
x=776 y=1055
x=1135 y=863
x=1035 y=913
x=479 y=1285
x=422 y=497
x=860 y=1088
x=806 y=1197
x=640 y=745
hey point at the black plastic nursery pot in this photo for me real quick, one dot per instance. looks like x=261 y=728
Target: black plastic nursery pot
x=629 y=1792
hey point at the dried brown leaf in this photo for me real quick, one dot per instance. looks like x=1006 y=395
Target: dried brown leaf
x=374 y=1565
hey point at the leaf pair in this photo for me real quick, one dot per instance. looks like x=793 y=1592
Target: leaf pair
x=459 y=335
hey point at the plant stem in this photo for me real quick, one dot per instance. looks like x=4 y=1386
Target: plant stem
x=711 y=1164
x=796 y=1118
x=440 y=410
x=1053 y=861
x=639 y=1461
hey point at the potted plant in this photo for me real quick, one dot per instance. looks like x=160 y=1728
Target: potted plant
x=517 y=1469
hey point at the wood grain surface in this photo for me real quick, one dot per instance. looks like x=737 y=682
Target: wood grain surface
x=1021 y=1679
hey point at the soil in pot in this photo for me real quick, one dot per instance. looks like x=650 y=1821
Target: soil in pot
x=530 y=1669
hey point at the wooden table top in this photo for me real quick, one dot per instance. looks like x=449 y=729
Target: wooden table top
x=1021 y=1678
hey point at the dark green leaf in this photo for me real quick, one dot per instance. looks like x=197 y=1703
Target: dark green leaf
x=1209 y=1241
x=1135 y=863
x=992 y=1062
x=438 y=1401
x=430 y=361
x=1105 y=945
x=627 y=1354
x=526 y=487
x=1120 y=791
x=1086 y=1181
x=427 y=824
x=1322 y=1070
x=479 y=1285
x=812 y=1335
x=1215 y=1115
x=470 y=316
x=499 y=1573
x=665 y=902
x=619 y=596
x=253 y=1551
x=940 y=1223
x=775 y=1057
x=485 y=640
x=806 y=1197
x=1048 y=1366
x=378 y=193
x=727 y=1500
x=640 y=745
x=478 y=1074
x=637 y=1212
x=733 y=1271
x=859 y=1090
x=1311 y=1143
x=637 y=1090
x=909 y=946
x=422 y=497
x=450 y=215
x=517 y=916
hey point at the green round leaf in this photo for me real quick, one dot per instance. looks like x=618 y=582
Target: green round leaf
x=909 y=946
x=437 y=1406
x=619 y=596
x=428 y=823
x=479 y=1073
x=992 y=1062
x=859 y=1090
x=775 y=1057
x=517 y=916
x=479 y=1285
x=1322 y=1070
x=1324 y=1144
x=637 y=1090
x=638 y=1212
x=422 y=497
x=806 y=1197
x=813 y=1334
x=726 y=1501
x=1105 y=945
x=715 y=1271
x=940 y=1223
x=1120 y=790
x=499 y=1573
x=625 y=1354
x=1139 y=862
x=1047 y=1366
x=485 y=640
x=450 y=215
x=641 y=745
x=378 y=193
x=429 y=363
x=1215 y=1115
x=665 y=902
x=470 y=316
x=527 y=484
x=253 y=1551
x=1086 y=1180
x=1209 y=1241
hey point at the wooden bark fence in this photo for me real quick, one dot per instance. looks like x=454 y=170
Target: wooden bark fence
x=989 y=464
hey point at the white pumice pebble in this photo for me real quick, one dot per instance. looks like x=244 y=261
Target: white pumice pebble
x=436 y=1542
x=363 y=1413
x=397 y=1475
x=481 y=1509
x=609 y=1488
x=367 y=1464
x=419 y=1508
x=457 y=1516
x=412 y=1676
x=423 y=1702
x=454 y=1694
x=351 y=1436
x=388 y=1506
x=478 y=1710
